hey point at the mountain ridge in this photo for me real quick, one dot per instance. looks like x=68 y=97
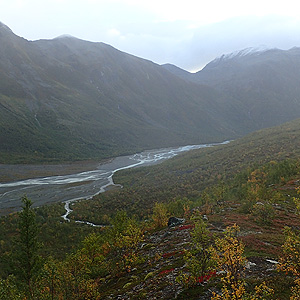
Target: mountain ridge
x=70 y=99
x=264 y=84
x=97 y=101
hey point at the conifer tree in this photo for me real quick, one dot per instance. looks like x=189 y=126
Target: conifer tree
x=27 y=259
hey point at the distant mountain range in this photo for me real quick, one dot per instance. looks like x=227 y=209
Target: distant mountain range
x=264 y=84
x=69 y=99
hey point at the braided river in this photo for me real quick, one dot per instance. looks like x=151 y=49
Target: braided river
x=84 y=185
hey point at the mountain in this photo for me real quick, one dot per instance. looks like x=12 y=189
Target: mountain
x=263 y=83
x=69 y=99
x=178 y=71
x=66 y=99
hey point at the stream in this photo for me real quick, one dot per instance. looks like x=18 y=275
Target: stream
x=84 y=185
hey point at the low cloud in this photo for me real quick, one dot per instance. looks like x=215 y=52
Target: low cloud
x=191 y=47
x=169 y=33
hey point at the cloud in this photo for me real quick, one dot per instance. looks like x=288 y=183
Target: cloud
x=187 y=33
x=114 y=32
x=214 y=40
x=208 y=12
x=191 y=46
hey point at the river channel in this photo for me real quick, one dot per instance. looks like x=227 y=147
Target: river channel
x=84 y=185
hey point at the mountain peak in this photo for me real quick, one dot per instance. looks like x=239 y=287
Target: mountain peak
x=65 y=36
x=243 y=53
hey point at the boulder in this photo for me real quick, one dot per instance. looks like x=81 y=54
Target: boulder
x=173 y=221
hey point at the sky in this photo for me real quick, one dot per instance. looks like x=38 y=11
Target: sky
x=187 y=33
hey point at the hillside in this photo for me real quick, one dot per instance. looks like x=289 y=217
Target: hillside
x=250 y=182
x=68 y=99
x=189 y=174
x=262 y=83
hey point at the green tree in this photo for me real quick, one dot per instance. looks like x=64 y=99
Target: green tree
x=76 y=282
x=50 y=281
x=27 y=260
x=264 y=213
x=9 y=289
x=198 y=259
x=123 y=239
x=92 y=247
x=160 y=215
x=202 y=239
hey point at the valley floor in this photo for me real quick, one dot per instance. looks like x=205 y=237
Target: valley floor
x=9 y=173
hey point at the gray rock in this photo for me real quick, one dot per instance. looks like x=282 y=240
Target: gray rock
x=173 y=221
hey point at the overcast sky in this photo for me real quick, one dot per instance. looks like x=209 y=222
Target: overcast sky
x=187 y=33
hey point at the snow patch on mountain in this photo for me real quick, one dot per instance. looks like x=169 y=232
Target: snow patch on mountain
x=242 y=53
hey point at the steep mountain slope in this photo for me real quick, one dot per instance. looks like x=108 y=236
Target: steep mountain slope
x=264 y=83
x=71 y=99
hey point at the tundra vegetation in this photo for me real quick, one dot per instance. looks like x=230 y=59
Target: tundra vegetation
x=240 y=239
